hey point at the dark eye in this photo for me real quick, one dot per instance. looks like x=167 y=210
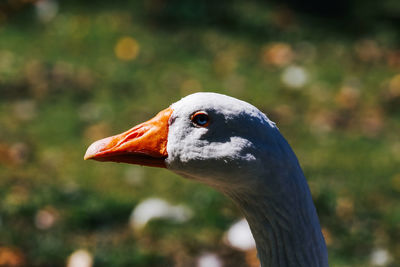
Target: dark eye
x=200 y=119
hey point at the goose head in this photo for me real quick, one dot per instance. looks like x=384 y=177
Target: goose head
x=232 y=146
x=213 y=138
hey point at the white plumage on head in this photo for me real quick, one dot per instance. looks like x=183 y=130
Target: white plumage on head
x=232 y=146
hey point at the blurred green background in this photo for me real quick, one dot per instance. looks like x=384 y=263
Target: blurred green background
x=72 y=72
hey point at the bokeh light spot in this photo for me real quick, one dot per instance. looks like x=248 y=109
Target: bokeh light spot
x=294 y=77
x=45 y=218
x=127 y=49
x=240 y=237
x=277 y=54
x=380 y=257
x=80 y=258
x=10 y=257
x=209 y=260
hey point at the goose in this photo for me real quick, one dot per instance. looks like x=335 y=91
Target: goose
x=233 y=147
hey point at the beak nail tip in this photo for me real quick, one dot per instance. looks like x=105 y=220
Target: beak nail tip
x=93 y=150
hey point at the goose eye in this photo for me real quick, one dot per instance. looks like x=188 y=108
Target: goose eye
x=200 y=119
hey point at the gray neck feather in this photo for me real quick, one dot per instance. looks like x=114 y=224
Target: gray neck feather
x=287 y=232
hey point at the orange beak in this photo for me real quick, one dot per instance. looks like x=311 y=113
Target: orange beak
x=144 y=144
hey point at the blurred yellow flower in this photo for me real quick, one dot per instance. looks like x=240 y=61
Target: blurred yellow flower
x=126 y=49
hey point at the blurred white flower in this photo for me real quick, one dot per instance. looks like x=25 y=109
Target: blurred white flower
x=380 y=257
x=240 y=237
x=80 y=258
x=46 y=10
x=294 y=76
x=209 y=260
x=155 y=208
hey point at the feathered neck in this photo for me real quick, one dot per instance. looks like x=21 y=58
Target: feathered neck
x=284 y=223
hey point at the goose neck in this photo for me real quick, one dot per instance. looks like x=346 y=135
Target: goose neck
x=286 y=228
